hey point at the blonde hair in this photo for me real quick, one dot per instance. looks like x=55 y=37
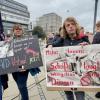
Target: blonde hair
x=71 y=19
x=17 y=26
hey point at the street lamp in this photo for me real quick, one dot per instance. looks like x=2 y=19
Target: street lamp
x=95 y=15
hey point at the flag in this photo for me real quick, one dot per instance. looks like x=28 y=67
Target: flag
x=2 y=36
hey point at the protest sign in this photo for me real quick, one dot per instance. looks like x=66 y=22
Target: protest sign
x=73 y=67
x=21 y=52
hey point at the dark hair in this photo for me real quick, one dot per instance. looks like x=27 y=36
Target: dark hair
x=82 y=27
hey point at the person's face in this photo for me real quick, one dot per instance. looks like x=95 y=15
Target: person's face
x=70 y=27
x=18 y=32
x=82 y=31
x=50 y=35
x=97 y=28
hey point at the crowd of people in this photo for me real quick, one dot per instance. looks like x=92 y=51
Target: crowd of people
x=70 y=34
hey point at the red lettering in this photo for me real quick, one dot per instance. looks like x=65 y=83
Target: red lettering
x=51 y=52
x=74 y=51
x=59 y=65
x=90 y=67
x=62 y=83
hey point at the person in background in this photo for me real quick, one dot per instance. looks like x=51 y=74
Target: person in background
x=50 y=37
x=82 y=34
x=22 y=76
x=96 y=40
x=57 y=40
x=82 y=31
x=90 y=36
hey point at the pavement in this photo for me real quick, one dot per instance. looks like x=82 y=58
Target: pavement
x=12 y=92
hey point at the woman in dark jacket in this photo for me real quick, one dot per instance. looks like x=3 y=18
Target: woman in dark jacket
x=21 y=77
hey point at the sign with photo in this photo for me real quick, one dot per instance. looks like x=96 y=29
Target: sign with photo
x=73 y=67
x=18 y=53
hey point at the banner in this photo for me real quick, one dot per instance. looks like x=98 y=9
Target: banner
x=17 y=53
x=72 y=67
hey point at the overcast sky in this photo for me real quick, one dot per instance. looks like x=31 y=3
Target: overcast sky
x=83 y=10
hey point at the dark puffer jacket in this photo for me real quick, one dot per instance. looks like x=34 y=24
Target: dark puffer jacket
x=96 y=39
x=69 y=42
x=57 y=41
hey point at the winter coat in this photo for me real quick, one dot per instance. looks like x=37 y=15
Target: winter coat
x=70 y=42
x=57 y=41
x=96 y=39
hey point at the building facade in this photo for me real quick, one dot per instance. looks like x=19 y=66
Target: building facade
x=50 y=22
x=13 y=12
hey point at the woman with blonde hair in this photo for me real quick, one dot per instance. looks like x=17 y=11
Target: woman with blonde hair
x=22 y=76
